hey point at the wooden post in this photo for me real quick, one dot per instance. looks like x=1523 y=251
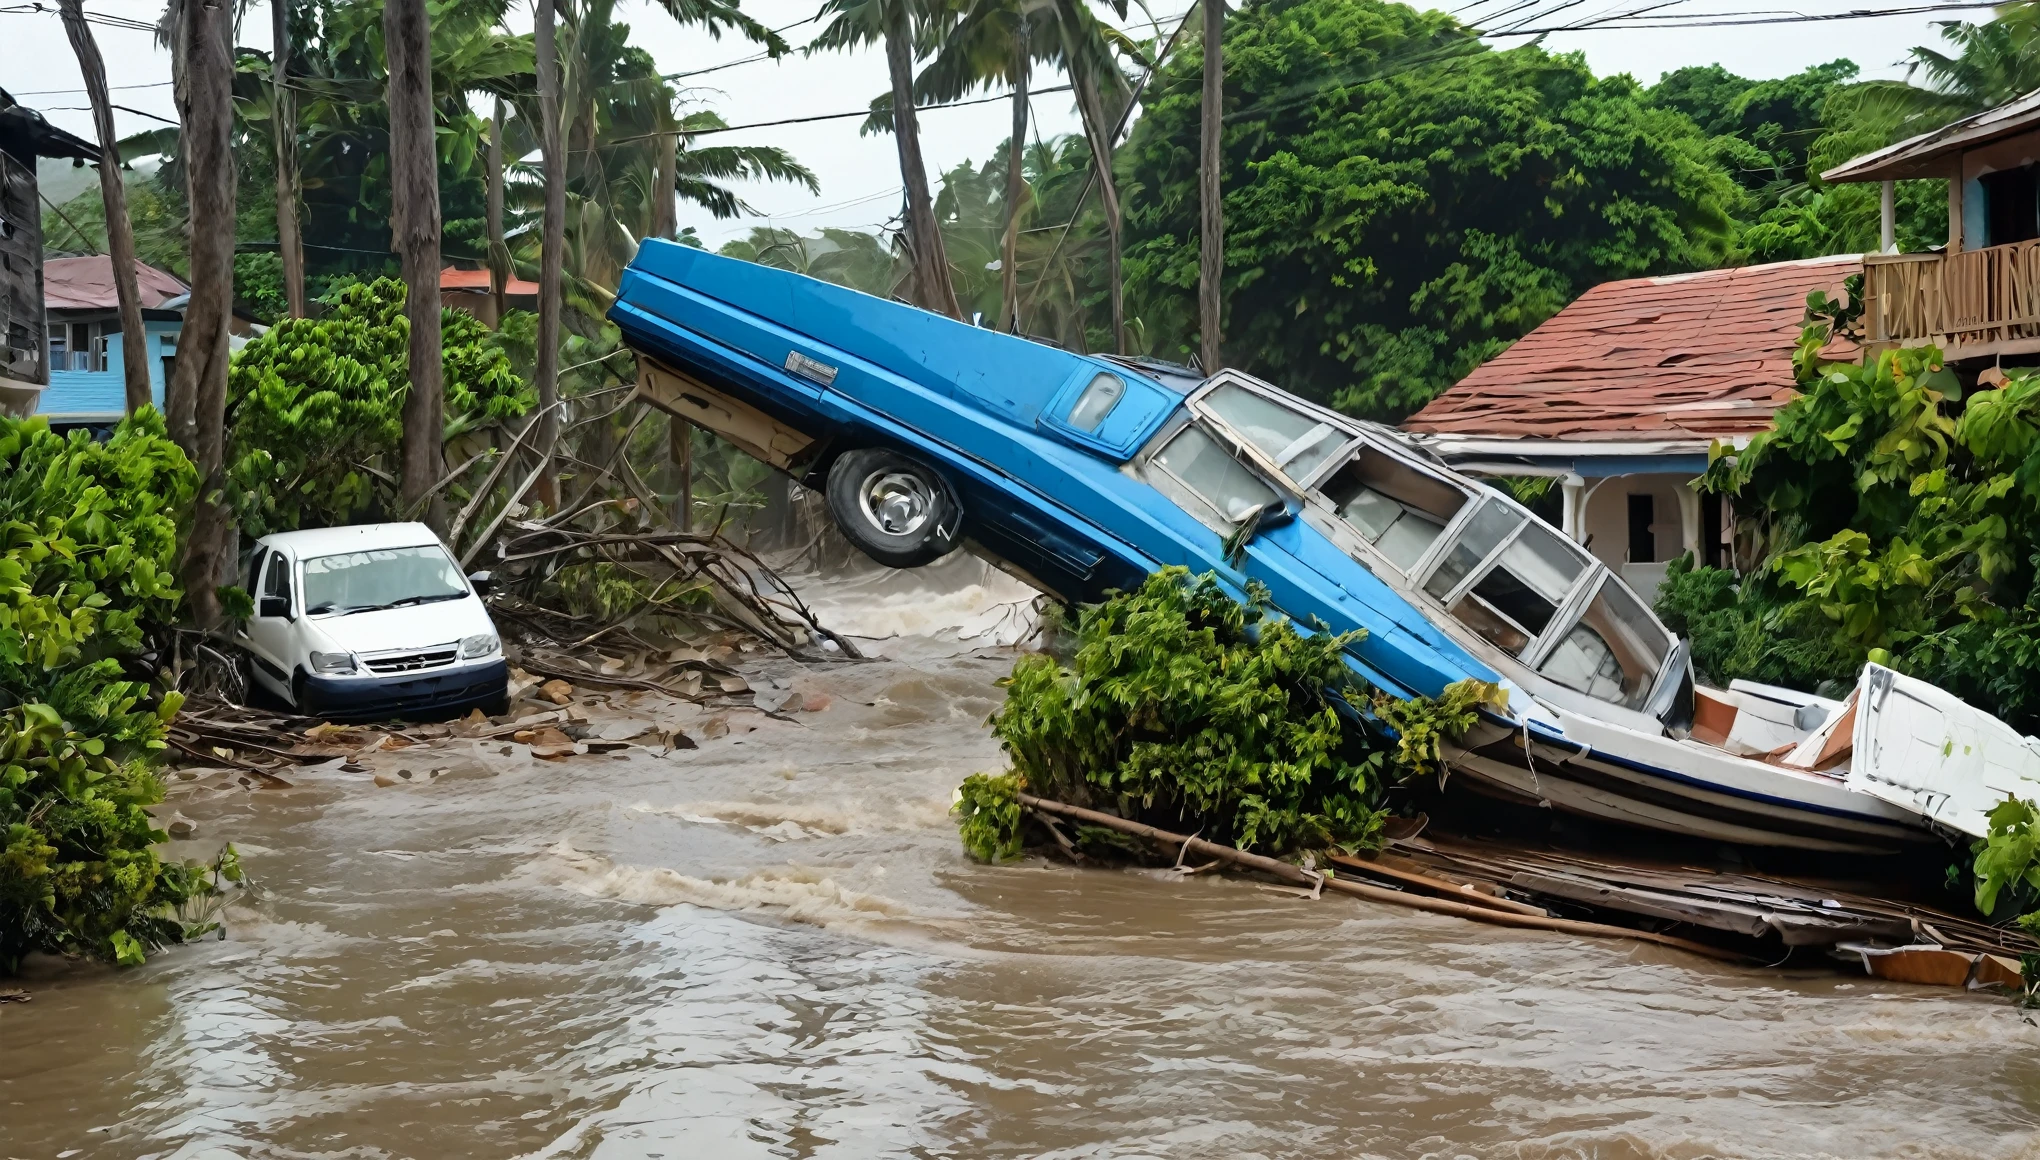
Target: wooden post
x=1955 y=212
x=1887 y=219
x=680 y=445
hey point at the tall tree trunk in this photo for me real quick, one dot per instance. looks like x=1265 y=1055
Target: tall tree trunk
x=1016 y=184
x=120 y=234
x=1098 y=134
x=204 y=63
x=414 y=203
x=290 y=241
x=665 y=209
x=1211 y=232
x=499 y=250
x=552 y=246
x=932 y=288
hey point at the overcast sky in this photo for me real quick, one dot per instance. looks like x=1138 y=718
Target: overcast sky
x=859 y=175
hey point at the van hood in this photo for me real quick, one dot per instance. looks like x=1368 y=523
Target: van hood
x=397 y=629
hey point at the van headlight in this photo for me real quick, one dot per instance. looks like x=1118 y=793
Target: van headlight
x=332 y=662
x=480 y=645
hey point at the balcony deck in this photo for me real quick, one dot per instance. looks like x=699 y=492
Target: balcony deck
x=1975 y=304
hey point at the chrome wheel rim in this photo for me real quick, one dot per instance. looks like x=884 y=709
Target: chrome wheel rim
x=897 y=503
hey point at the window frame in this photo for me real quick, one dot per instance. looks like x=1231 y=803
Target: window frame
x=1199 y=406
x=1148 y=460
x=1570 y=607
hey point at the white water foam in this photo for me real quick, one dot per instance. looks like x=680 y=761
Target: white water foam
x=798 y=893
x=787 y=821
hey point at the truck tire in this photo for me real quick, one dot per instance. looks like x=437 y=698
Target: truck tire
x=898 y=512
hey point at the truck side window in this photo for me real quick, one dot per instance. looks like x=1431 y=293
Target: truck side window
x=276 y=579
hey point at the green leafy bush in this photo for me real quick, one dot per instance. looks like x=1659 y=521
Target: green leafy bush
x=1186 y=708
x=1894 y=514
x=88 y=549
x=315 y=406
x=2008 y=860
x=988 y=816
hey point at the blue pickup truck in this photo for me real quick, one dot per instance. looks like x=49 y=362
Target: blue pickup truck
x=1084 y=474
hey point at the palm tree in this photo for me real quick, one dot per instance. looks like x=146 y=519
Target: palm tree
x=202 y=65
x=290 y=241
x=1211 y=226
x=552 y=246
x=998 y=41
x=120 y=234
x=894 y=23
x=1991 y=63
x=414 y=198
x=995 y=42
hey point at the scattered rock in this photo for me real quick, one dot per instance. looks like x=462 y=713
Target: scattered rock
x=554 y=752
x=13 y=995
x=385 y=780
x=507 y=750
x=549 y=737
x=815 y=702
x=181 y=827
x=405 y=774
x=734 y=684
x=557 y=691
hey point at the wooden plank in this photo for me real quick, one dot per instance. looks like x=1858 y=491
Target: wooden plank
x=1464 y=891
x=1715 y=916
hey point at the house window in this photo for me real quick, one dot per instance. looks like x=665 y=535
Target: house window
x=2011 y=209
x=1642 y=542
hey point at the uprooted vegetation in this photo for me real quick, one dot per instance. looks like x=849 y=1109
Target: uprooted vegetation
x=87 y=598
x=1178 y=706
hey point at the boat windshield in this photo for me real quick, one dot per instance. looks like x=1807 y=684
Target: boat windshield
x=1293 y=439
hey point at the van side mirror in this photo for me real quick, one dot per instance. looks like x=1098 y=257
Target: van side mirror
x=276 y=606
x=482 y=581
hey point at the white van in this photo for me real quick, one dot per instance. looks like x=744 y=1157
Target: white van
x=370 y=621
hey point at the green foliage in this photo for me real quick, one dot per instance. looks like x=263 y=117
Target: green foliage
x=1403 y=201
x=1423 y=726
x=1897 y=515
x=315 y=406
x=88 y=554
x=2008 y=858
x=1182 y=706
x=988 y=816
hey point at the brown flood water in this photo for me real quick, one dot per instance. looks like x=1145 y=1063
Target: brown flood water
x=773 y=946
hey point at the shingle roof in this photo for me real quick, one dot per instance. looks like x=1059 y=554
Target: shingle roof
x=1705 y=355
x=87 y=284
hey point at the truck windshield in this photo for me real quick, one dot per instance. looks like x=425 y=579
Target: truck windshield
x=383 y=578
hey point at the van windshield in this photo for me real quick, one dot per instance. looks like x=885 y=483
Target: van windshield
x=383 y=578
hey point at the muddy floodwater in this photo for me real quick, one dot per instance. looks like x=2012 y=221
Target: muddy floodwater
x=772 y=946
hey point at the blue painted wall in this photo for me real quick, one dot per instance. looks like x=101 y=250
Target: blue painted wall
x=101 y=396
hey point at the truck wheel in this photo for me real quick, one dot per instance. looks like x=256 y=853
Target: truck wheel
x=898 y=512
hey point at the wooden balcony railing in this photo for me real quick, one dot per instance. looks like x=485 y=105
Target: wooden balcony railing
x=1975 y=303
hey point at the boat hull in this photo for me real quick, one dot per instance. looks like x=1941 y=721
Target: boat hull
x=1617 y=775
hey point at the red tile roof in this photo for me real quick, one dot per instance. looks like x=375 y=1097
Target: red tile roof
x=87 y=284
x=1702 y=355
x=478 y=280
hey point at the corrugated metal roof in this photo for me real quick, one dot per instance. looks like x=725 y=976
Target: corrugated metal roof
x=1706 y=355
x=87 y=284
x=1936 y=152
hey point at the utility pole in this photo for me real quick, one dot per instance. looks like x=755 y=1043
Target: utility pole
x=1211 y=235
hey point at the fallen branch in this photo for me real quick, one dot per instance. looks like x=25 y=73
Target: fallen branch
x=1310 y=879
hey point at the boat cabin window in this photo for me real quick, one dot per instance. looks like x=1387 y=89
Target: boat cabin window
x=1490 y=525
x=1614 y=652
x=1518 y=596
x=1201 y=474
x=1096 y=402
x=1296 y=441
x=1400 y=510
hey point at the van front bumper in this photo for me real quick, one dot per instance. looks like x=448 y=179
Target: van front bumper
x=374 y=698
